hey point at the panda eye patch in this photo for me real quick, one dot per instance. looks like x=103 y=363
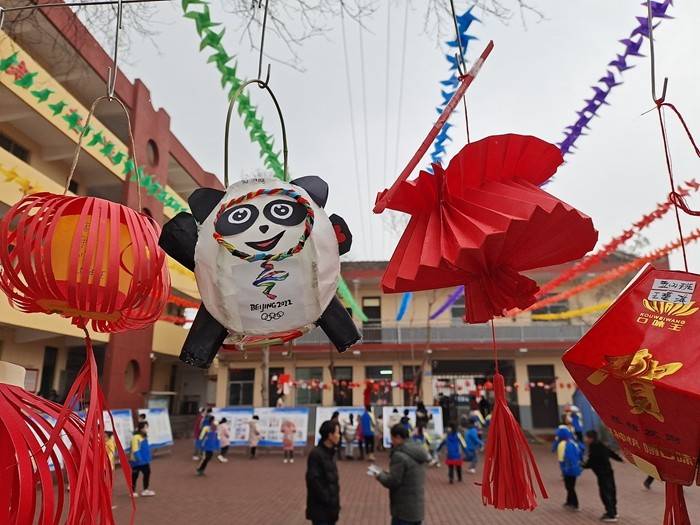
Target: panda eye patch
x=286 y=213
x=236 y=220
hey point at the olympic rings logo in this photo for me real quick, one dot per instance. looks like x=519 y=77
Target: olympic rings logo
x=271 y=316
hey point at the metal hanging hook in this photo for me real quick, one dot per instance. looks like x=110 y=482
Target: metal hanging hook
x=650 y=21
x=262 y=42
x=113 y=70
x=461 y=65
x=262 y=85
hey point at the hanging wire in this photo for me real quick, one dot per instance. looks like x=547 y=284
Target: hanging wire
x=386 y=104
x=399 y=110
x=352 y=122
x=660 y=102
x=461 y=64
x=366 y=133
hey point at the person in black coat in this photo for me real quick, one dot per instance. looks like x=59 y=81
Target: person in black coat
x=322 y=483
x=598 y=461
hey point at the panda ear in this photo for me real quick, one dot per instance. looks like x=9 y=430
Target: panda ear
x=203 y=201
x=315 y=186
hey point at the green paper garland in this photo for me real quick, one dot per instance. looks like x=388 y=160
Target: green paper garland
x=229 y=77
x=96 y=138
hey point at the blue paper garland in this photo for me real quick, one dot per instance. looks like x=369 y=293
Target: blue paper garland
x=609 y=80
x=449 y=86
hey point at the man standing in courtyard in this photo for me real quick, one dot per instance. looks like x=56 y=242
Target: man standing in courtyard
x=322 y=484
x=405 y=479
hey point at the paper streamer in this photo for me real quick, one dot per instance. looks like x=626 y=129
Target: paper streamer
x=347 y=298
x=451 y=299
x=570 y=314
x=211 y=40
x=403 y=307
x=615 y=273
x=610 y=80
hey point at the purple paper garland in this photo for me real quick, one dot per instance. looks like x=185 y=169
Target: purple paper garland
x=573 y=132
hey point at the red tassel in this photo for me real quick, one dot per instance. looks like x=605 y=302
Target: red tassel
x=91 y=488
x=508 y=464
x=676 y=512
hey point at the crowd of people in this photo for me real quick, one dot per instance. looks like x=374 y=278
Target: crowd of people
x=413 y=449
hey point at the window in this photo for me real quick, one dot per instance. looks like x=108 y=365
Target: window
x=310 y=395
x=10 y=145
x=554 y=308
x=457 y=312
x=381 y=390
x=342 y=393
x=240 y=386
x=372 y=327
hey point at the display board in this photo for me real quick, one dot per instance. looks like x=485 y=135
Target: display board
x=272 y=421
x=160 y=433
x=238 y=419
x=434 y=430
x=325 y=413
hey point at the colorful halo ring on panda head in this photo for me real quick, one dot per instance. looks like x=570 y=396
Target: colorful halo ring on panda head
x=308 y=225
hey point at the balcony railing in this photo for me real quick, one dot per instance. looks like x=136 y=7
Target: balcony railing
x=459 y=334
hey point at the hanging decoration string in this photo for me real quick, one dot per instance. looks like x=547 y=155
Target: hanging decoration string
x=78 y=149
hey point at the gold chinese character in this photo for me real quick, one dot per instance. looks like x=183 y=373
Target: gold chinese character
x=658 y=323
x=650 y=449
x=675 y=327
x=642 y=320
x=637 y=372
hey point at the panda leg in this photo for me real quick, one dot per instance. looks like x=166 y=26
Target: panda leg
x=203 y=340
x=339 y=326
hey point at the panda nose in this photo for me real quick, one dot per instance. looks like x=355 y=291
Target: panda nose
x=264 y=228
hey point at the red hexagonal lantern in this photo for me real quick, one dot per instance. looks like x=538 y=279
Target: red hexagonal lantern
x=87 y=259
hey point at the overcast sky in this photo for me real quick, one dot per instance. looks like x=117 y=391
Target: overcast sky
x=534 y=81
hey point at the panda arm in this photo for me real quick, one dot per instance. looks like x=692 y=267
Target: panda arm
x=339 y=326
x=179 y=238
x=342 y=233
x=203 y=340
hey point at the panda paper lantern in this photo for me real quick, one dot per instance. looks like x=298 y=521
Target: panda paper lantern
x=266 y=258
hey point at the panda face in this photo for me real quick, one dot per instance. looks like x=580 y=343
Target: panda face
x=264 y=224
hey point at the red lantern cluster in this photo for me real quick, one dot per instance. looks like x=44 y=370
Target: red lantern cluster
x=84 y=258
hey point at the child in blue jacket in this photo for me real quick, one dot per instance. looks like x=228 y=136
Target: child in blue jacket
x=140 y=460
x=570 y=457
x=456 y=447
x=474 y=445
x=208 y=442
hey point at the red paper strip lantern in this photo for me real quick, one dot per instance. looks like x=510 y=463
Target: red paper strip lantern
x=84 y=258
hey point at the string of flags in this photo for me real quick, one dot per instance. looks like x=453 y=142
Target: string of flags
x=612 y=77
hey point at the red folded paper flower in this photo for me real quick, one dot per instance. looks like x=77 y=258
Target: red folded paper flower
x=483 y=221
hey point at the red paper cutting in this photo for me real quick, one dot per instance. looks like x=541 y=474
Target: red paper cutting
x=483 y=221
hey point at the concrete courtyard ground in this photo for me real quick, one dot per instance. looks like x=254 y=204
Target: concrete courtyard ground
x=267 y=492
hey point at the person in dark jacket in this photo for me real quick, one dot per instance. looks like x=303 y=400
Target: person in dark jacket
x=598 y=461
x=422 y=416
x=405 y=479
x=322 y=484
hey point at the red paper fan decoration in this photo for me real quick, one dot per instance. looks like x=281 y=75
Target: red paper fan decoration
x=84 y=258
x=481 y=222
x=36 y=438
